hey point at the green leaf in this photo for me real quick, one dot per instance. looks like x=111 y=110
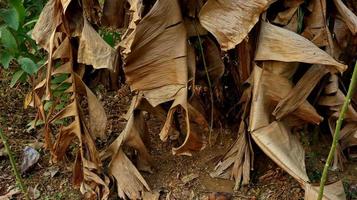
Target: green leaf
x=59 y=79
x=60 y=106
x=8 y=40
x=18 y=5
x=10 y=17
x=48 y=105
x=16 y=77
x=109 y=39
x=28 y=65
x=5 y=59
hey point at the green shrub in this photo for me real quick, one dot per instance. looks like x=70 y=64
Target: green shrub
x=17 y=18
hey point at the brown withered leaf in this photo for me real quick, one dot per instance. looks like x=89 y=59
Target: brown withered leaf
x=167 y=38
x=279 y=44
x=333 y=98
x=61 y=62
x=194 y=28
x=91 y=10
x=332 y=191
x=341 y=32
x=97 y=117
x=231 y=20
x=144 y=70
x=114 y=13
x=284 y=17
x=93 y=50
x=347 y=15
x=130 y=183
x=194 y=140
x=316 y=30
x=191 y=8
x=191 y=64
x=45 y=27
x=237 y=162
x=65 y=4
x=276 y=139
x=300 y=92
x=151 y=195
x=284 y=69
x=135 y=10
x=283 y=148
x=268 y=89
x=214 y=61
x=94 y=187
x=245 y=54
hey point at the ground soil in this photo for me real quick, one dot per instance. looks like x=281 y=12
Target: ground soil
x=267 y=180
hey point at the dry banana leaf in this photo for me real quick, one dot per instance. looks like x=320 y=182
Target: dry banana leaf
x=158 y=52
x=300 y=92
x=93 y=50
x=268 y=90
x=283 y=148
x=129 y=181
x=333 y=99
x=230 y=21
x=55 y=37
x=347 y=15
x=114 y=13
x=332 y=191
x=215 y=66
x=316 y=27
x=284 y=17
x=279 y=44
x=237 y=162
x=45 y=27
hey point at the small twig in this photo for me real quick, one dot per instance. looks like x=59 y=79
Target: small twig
x=209 y=83
x=13 y=164
x=336 y=136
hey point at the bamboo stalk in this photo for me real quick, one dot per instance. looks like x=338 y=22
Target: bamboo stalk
x=13 y=165
x=336 y=136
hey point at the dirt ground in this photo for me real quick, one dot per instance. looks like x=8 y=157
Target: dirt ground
x=175 y=177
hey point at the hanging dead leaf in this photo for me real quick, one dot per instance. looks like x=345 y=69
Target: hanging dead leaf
x=279 y=44
x=143 y=69
x=231 y=20
x=347 y=15
x=316 y=27
x=93 y=50
x=45 y=27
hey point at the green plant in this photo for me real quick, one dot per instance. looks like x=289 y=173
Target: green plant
x=16 y=22
x=19 y=181
x=336 y=136
x=351 y=193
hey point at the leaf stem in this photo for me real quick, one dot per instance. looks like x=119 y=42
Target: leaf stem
x=209 y=83
x=336 y=136
x=13 y=164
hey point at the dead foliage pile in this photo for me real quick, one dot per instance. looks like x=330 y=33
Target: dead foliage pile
x=269 y=67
